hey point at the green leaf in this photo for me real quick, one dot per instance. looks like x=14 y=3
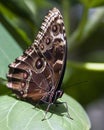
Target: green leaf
x=88 y=27
x=84 y=79
x=4 y=90
x=19 y=115
x=92 y=3
x=9 y=50
x=15 y=25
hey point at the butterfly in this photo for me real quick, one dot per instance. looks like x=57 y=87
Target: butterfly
x=37 y=74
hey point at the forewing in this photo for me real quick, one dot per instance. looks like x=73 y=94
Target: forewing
x=52 y=44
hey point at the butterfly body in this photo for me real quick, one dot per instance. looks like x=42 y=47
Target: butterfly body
x=38 y=73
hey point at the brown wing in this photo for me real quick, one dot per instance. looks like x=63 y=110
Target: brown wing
x=52 y=44
x=29 y=75
x=38 y=71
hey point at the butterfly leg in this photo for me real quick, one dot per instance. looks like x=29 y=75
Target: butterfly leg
x=66 y=108
x=44 y=118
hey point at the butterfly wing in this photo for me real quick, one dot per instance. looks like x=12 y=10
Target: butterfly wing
x=40 y=69
x=28 y=75
x=52 y=44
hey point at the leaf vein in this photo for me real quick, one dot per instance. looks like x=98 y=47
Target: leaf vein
x=11 y=108
x=5 y=54
x=30 y=120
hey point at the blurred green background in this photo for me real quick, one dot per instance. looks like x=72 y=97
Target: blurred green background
x=20 y=21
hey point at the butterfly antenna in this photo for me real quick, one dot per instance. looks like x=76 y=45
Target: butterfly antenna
x=78 y=83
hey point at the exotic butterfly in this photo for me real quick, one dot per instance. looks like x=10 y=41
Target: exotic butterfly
x=38 y=73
